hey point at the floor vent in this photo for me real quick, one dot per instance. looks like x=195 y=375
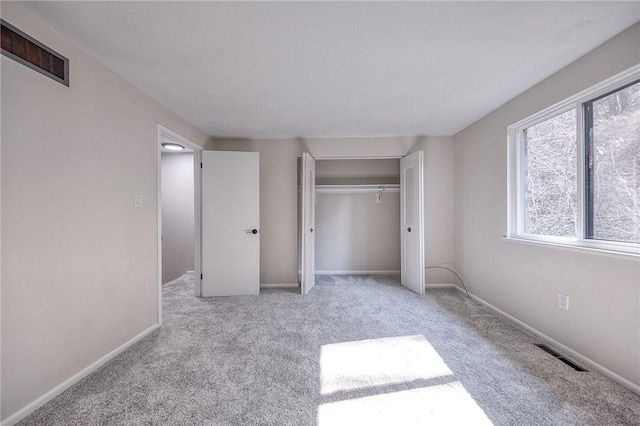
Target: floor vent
x=33 y=54
x=559 y=356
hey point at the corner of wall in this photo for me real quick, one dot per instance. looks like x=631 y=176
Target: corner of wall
x=210 y=144
x=439 y=207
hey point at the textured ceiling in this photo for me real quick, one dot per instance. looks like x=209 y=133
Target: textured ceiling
x=313 y=69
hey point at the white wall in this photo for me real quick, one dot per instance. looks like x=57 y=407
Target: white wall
x=1 y=171
x=354 y=233
x=278 y=193
x=79 y=262
x=359 y=147
x=438 y=207
x=178 y=215
x=358 y=172
x=523 y=280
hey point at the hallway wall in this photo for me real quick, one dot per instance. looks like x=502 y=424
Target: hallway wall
x=178 y=215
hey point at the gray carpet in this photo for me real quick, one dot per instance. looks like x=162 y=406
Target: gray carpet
x=340 y=355
x=342 y=280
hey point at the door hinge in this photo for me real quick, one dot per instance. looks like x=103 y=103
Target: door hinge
x=200 y=276
x=200 y=165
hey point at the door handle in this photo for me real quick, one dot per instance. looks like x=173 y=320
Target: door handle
x=409 y=229
x=251 y=231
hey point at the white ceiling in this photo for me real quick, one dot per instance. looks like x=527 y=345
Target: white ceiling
x=313 y=69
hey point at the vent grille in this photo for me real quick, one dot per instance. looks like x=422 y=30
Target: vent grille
x=561 y=357
x=35 y=55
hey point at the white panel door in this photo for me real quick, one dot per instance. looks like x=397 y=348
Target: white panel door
x=230 y=223
x=412 y=222
x=308 y=187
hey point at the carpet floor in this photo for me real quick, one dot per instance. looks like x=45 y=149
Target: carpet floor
x=342 y=280
x=347 y=355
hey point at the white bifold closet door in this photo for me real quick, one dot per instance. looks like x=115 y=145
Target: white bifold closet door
x=230 y=223
x=412 y=222
x=308 y=188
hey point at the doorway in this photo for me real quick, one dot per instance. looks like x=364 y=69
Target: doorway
x=360 y=219
x=357 y=216
x=178 y=214
x=179 y=240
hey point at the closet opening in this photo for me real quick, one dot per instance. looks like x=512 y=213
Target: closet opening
x=357 y=222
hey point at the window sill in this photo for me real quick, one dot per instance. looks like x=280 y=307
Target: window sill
x=578 y=247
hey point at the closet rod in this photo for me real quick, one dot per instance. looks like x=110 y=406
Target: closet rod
x=336 y=189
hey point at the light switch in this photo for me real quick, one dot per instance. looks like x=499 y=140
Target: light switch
x=138 y=201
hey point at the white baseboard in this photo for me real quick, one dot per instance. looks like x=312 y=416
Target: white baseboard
x=39 y=402
x=587 y=362
x=285 y=285
x=356 y=272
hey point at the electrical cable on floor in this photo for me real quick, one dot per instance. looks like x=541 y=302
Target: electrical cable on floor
x=454 y=273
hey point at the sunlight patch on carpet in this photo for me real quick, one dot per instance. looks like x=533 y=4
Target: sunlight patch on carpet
x=378 y=362
x=444 y=404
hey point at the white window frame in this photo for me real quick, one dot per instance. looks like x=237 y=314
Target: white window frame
x=516 y=172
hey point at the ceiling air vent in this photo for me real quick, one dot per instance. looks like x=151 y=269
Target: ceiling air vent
x=30 y=52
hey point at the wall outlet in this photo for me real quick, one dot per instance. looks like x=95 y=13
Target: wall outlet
x=563 y=301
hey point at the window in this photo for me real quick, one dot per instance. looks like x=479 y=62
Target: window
x=550 y=187
x=612 y=137
x=574 y=170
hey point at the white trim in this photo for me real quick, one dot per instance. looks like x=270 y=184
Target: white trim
x=348 y=189
x=581 y=246
x=620 y=79
x=197 y=221
x=284 y=285
x=581 y=213
x=360 y=158
x=159 y=207
x=516 y=172
x=513 y=182
x=587 y=362
x=356 y=272
x=307 y=221
x=42 y=400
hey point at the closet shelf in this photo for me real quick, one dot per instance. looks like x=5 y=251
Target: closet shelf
x=337 y=189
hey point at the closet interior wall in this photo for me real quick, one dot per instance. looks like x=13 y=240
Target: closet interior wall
x=354 y=232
